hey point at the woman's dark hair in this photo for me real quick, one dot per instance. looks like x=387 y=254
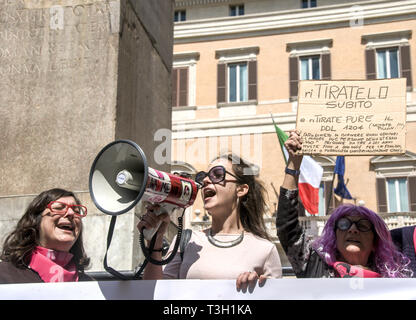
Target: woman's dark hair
x=21 y=242
x=252 y=206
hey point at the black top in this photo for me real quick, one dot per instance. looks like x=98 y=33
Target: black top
x=9 y=273
x=403 y=238
x=305 y=261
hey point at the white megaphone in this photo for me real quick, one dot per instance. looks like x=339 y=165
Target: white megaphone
x=120 y=178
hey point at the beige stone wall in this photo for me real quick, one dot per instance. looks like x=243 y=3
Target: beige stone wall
x=76 y=75
x=57 y=77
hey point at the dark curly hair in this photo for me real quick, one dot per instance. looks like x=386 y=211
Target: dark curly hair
x=20 y=243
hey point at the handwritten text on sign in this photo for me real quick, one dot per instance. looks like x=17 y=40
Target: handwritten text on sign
x=352 y=117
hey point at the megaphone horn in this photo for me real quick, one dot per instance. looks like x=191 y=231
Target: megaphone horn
x=120 y=178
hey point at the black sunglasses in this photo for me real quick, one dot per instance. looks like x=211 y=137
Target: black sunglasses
x=215 y=174
x=362 y=225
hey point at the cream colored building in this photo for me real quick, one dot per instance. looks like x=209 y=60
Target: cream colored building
x=237 y=62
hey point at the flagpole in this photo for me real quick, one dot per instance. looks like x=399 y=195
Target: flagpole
x=277 y=199
x=281 y=143
x=330 y=194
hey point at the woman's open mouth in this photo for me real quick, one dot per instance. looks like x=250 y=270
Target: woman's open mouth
x=208 y=194
x=353 y=241
x=66 y=227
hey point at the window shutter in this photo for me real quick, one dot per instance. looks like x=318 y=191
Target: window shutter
x=293 y=77
x=412 y=193
x=174 y=87
x=326 y=66
x=221 y=80
x=370 y=64
x=252 y=80
x=405 y=65
x=329 y=194
x=183 y=87
x=381 y=195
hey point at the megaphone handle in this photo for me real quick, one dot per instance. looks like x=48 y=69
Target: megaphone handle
x=149 y=233
x=147 y=252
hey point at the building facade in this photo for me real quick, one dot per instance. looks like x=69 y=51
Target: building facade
x=236 y=63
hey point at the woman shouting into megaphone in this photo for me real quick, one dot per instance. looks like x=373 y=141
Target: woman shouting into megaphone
x=236 y=246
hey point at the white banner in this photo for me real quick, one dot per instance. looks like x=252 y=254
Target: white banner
x=273 y=289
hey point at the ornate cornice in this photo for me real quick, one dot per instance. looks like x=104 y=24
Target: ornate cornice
x=308 y=44
x=189 y=3
x=237 y=51
x=287 y=21
x=400 y=34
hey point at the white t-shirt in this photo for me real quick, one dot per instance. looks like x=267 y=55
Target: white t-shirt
x=202 y=260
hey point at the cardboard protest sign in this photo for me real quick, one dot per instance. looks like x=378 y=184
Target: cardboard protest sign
x=352 y=117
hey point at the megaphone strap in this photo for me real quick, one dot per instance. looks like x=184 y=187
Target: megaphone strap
x=147 y=252
x=109 y=237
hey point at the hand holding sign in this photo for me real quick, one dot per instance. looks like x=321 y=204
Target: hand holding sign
x=352 y=117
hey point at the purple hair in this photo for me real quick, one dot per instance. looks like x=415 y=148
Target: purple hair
x=386 y=259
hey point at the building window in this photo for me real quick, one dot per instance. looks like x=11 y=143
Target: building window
x=308 y=4
x=184 y=78
x=308 y=60
x=395 y=182
x=310 y=68
x=237 y=10
x=398 y=198
x=387 y=63
x=387 y=55
x=180 y=87
x=180 y=15
x=237 y=76
x=316 y=67
x=237 y=82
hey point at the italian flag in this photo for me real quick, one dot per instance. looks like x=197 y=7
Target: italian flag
x=309 y=178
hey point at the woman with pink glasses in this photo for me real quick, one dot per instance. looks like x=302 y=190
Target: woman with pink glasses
x=46 y=245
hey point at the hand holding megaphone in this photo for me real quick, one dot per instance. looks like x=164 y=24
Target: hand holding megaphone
x=156 y=219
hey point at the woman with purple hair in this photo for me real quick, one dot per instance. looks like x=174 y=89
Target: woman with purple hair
x=355 y=241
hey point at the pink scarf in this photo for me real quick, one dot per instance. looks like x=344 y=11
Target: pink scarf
x=53 y=266
x=414 y=239
x=346 y=270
